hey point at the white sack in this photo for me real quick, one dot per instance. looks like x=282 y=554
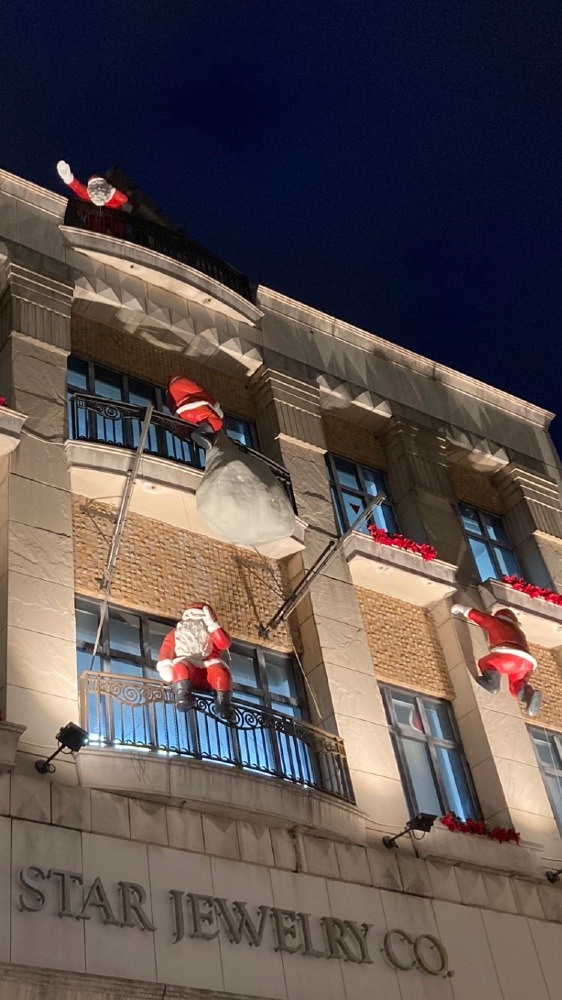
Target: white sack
x=240 y=498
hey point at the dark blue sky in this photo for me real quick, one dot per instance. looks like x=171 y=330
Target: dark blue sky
x=395 y=163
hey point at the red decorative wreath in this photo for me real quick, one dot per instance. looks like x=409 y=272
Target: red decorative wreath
x=531 y=590
x=480 y=829
x=382 y=537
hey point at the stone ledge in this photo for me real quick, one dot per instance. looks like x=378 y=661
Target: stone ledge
x=540 y=621
x=9 y=738
x=220 y=789
x=398 y=573
x=445 y=846
x=11 y=423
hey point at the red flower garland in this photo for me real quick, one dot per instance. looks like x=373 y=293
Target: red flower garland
x=532 y=591
x=382 y=537
x=479 y=828
x=2 y=401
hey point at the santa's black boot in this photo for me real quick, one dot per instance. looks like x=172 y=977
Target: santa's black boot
x=223 y=704
x=534 y=700
x=490 y=681
x=183 y=695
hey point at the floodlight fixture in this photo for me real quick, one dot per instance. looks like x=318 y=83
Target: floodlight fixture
x=554 y=876
x=70 y=738
x=422 y=823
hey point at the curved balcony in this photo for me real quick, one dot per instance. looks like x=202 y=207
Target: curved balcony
x=541 y=622
x=124 y=713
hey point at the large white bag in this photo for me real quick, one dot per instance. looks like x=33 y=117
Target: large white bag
x=240 y=498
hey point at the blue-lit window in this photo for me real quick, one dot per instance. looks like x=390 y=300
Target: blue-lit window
x=548 y=748
x=353 y=488
x=433 y=768
x=489 y=543
x=87 y=421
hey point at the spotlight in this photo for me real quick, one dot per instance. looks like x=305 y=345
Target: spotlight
x=70 y=738
x=422 y=822
x=554 y=876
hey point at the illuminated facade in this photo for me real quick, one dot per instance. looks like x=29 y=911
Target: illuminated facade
x=183 y=857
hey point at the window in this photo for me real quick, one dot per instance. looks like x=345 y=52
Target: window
x=92 y=379
x=434 y=772
x=489 y=543
x=548 y=748
x=353 y=487
x=130 y=643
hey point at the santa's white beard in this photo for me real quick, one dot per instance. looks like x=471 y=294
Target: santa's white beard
x=193 y=639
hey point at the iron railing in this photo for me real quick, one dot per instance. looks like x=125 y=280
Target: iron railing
x=107 y=421
x=139 y=713
x=172 y=243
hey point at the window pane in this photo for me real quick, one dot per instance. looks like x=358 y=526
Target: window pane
x=87 y=620
x=495 y=529
x=384 y=518
x=507 y=562
x=405 y=708
x=240 y=431
x=124 y=667
x=553 y=783
x=457 y=791
x=280 y=678
x=347 y=474
x=280 y=706
x=77 y=375
x=124 y=632
x=373 y=481
x=243 y=669
x=416 y=756
x=353 y=505
x=482 y=559
x=439 y=720
x=156 y=633
x=469 y=518
x=84 y=661
x=337 y=511
x=108 y=384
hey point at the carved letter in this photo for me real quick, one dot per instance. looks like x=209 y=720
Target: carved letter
x=200 y=918
x=39 y=897
x=66 y=880
x=245 y=924
x=177 y=914
x=309 y=948
x=283 y=932
x=360 y=932
x=97 y=897
x=131 y=905
x=335 y=934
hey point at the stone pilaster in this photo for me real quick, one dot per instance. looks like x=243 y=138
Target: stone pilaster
x=342 y=690
x=40 y=690
x=419 y=486
x=534 y=521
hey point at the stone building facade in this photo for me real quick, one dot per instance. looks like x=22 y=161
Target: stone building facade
x=248 y=861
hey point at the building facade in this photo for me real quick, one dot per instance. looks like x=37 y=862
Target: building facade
x=188 y=857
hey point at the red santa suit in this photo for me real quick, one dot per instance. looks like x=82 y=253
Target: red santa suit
x=190 y=402
x=190 y=657
x=98 y=191
x=509 y=654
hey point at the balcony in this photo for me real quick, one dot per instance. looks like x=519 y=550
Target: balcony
x=398 y=573
x=169 y=242
x=541 y=622
x=129 y=714
x=102 y=435
x=11 y=424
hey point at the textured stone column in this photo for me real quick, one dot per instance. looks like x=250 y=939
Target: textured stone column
x=420 y=487
x=40 y=690
x=342 y=690
x=534 y=522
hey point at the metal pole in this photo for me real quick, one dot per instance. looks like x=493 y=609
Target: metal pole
x=105 y=585
x=323 y=559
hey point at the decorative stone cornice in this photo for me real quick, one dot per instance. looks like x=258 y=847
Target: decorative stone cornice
x=40 y=306
x=336 y=394
x=288 y=408
x=32 y=194
x=532 y=502
x=469 y=449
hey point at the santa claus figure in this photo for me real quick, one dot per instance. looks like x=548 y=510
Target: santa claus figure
x=509 y=654
x=98 y=191
x=190 y=402
x=190 y=659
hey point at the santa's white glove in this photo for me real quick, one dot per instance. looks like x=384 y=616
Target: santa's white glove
x=64 y=172
x=164 y=668
x=209 y=619
x=460 y=609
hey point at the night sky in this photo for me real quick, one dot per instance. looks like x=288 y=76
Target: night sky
x=395 y=164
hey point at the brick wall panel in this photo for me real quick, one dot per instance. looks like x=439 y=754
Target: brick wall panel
x=476 y=488
x=404 y=644
x=353 y=442
x=548 y=679
x=134 y=356
x=161 y=569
